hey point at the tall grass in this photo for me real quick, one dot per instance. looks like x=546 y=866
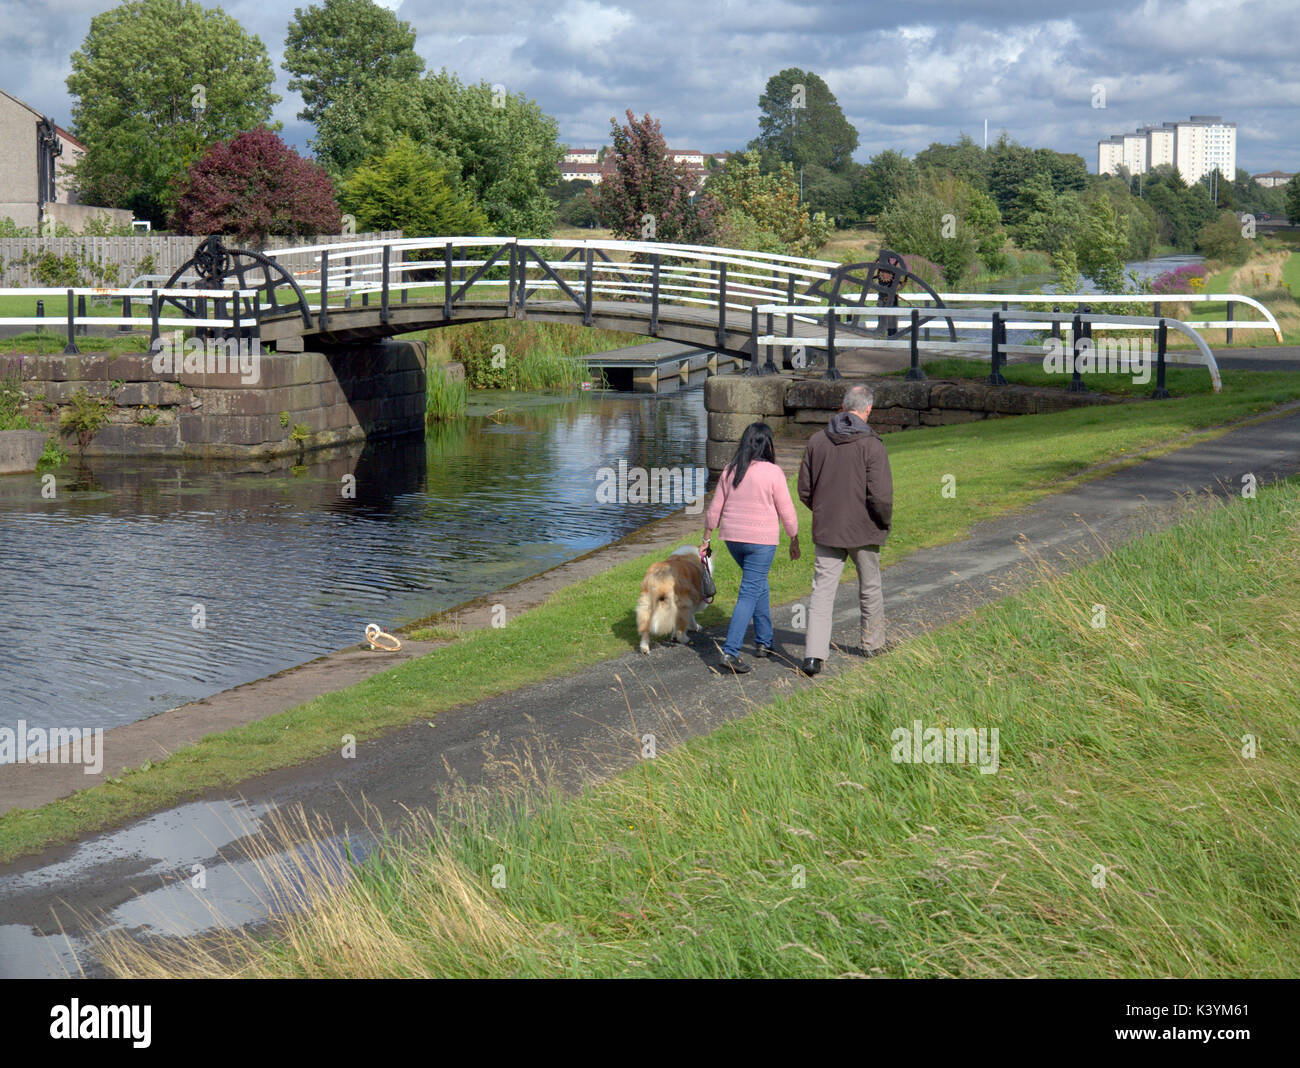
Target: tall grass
x=506 y=354
x=445 y=397
x=1129 y=831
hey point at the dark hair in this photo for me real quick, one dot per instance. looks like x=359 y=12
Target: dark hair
x=755 y=444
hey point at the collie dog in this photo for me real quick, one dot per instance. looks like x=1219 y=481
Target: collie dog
x=671 y=593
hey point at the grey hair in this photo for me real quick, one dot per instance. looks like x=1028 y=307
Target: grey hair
x=858 y=399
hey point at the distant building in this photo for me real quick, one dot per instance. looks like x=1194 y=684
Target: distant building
x=36 y=159
x=1195 y=147
x=579 y=164
x=1272 y=179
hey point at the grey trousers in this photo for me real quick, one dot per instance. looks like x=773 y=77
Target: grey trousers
x=827 y=567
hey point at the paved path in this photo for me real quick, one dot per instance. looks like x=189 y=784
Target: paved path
x=587 y=725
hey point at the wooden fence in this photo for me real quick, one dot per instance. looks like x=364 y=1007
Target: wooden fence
x=129 y=255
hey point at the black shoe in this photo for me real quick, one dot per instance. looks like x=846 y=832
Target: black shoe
x=867 y=654
x=735 y=663
x=762 y=652
x=811 y=666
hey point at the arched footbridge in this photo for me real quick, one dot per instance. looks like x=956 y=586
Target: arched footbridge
x=769 y=311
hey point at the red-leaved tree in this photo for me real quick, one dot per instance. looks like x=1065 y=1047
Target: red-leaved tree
x=252 y=186
x=647 y=196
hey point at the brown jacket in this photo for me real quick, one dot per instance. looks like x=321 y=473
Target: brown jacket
x=846 y=481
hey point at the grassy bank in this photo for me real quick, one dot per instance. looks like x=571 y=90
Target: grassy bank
x=1181 y=381
x=1128 y=829
x=998 y=466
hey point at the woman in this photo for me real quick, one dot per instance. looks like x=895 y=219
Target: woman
x=750 y=505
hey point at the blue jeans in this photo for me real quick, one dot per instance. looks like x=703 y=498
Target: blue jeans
x=751 y=601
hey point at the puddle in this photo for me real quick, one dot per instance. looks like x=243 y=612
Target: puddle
x=27 y=954
x=170 y=841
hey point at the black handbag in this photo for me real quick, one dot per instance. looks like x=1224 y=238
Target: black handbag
x=706 y=560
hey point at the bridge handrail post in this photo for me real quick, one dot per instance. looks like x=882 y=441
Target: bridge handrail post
x=654 y=294
x=323 y=317
x=155 y=313
x=70 y=349
x=235 y=315
x=1228 y=339
x=510 y=281
x=770 y=367
x=996 y=377
x=1162 y=338
x=1085 y=331
x=522 y=303
x=1076 y=338
x=832 y=372
x=753 y=368
x=446 y=280
x=347 y=281
x=383 y=296
x=914 y=373
x=587 y=272
x=722 y=304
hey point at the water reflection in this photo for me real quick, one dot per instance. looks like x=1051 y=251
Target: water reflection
x=102 y=588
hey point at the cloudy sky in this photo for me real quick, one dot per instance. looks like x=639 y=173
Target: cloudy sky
x=906 y=73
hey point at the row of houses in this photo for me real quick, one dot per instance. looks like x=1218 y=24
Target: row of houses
x=1195 y=146
x=586 y=164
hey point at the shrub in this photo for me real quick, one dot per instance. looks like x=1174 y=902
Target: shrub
x=84 y=417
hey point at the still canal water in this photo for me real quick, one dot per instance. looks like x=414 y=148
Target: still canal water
x=98 y=587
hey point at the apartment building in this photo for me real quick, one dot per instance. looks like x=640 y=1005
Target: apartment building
x=1196 y=146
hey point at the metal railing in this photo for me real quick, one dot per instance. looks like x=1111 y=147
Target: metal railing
x=1081 y=324
x=240 y=320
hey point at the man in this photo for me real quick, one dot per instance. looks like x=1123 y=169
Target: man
x=845 y=480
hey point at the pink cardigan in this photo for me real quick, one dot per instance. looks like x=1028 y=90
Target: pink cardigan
x=750 y=513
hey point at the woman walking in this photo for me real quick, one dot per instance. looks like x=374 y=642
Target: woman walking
x=750 y=505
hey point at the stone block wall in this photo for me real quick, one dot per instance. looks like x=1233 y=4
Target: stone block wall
x=300 y=401
x=799 y=407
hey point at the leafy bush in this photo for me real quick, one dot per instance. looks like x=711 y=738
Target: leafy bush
x=84 y=417
x=12 y=398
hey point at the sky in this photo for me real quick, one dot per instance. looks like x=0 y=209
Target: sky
x=905 y=73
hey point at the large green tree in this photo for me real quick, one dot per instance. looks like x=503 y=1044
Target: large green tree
x=154 y=83
x=336 y=49
x=800 y=123
x=886 y=176
x=405 y=189
x=1293 y=200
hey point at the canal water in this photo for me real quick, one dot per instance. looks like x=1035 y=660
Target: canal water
x=103 y=588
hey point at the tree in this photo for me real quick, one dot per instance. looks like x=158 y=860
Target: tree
x=405 y=189
x=800 y=123
x=1011 y=165
x=830 y=193
x=885 y=176
x=334 y=50
x=154 y=83
x=1223 y=240
x=252 y=186
x=761 y=212
x=965 y=159
x=1100 y=246
x=1293 y=200
x=501 y=145
x=649 y=196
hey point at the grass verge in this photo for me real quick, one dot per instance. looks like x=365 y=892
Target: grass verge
x=998 y=465
x=1140 y=819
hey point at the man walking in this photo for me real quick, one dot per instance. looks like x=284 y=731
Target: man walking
x=845 y=480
